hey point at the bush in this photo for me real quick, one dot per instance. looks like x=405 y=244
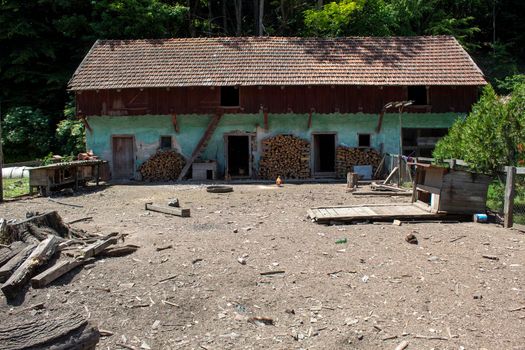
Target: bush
x=26 y=134
x=71 y=137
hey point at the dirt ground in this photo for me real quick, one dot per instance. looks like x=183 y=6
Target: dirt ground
x=372 y=292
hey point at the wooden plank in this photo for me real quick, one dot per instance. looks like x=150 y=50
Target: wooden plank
x=381 y=193
x=60 y=268
x=508 y=206
x=40 y=255
x=520 y=171
x=119 y=251
x=392 y=173
x=97 y=247
x=13 y=264
x=168 y=210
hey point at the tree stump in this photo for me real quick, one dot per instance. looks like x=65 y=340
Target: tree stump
x=69 y=331
x=351 y=181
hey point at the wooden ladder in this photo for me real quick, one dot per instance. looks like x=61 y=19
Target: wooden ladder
x=202 y=144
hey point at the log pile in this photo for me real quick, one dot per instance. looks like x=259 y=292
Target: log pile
x=43 y=248
x=165 y=165
x=347 y=157
x=286 y=156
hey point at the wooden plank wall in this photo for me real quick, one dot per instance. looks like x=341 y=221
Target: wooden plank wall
x=275 y=99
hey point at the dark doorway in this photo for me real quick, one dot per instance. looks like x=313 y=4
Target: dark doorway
x=239 y=155
x=324 y=153
x=123 y=157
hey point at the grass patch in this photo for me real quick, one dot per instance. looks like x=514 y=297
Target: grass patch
x=16 y=187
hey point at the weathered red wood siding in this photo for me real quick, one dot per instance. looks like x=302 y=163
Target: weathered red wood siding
x=274 y=99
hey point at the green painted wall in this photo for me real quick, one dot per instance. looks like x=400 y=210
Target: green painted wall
x=148 y=129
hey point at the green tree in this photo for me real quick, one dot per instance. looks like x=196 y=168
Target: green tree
x=26 y=134
x=136 y=19
x=70 y=133
x=492 y=135
x=351 y=17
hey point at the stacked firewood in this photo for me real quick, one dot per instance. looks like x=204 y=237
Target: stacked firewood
x=286 y=156
x=165 y=165
x=347 y=157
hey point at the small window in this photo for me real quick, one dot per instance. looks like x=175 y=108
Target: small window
x=364 y=140
x=165 y=142
x=418 y=94
x=229 y=96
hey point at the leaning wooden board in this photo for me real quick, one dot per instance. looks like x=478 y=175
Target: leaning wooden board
x=369 y=212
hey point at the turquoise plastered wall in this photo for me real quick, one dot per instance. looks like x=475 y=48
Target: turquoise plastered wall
x=148 y=129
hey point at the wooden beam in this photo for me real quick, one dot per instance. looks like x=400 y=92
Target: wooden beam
x=203 y=143
x=41 y=255
x=97 y=247
x=508 y=207
x=168 y=210
x=60 y=268
x=310 y=118
x=175 y=124
x=265 y=120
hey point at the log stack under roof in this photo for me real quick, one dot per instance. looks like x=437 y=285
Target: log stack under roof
x=164 y=165
x=347 y=157
x=286 y=156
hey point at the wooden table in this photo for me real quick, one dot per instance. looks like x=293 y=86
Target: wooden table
x=52 y=177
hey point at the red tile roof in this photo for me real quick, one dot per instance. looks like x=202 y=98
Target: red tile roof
x=243 y=61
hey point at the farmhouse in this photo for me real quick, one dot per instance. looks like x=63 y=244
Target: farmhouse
x=225 y=99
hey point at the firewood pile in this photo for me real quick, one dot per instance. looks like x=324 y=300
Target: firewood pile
x=347 y=157
x=165 y=165
x=286 y=156
x=42 y=248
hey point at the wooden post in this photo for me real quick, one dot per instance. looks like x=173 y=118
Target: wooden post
x=399 y=167
x=414 y=185
x=508 y=206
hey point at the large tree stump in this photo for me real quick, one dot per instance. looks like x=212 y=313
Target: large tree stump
x=37 y=228
x=70 y=331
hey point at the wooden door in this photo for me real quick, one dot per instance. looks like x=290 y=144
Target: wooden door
x=123 y=157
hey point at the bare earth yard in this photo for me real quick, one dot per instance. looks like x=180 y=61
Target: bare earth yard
x=371 y=293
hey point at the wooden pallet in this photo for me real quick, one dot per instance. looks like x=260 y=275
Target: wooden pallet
x=372 y=212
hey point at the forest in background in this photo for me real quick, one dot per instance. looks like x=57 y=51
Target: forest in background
x=43 y=41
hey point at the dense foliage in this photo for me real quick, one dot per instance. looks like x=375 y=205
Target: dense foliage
x=26 y=134
x=43 y=41
x=492 y=135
